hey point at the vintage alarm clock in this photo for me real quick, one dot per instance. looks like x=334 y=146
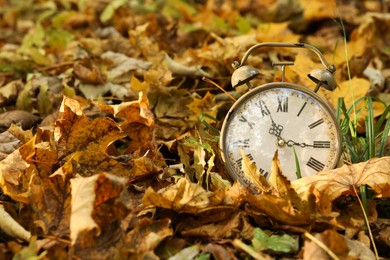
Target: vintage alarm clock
x=281 y=116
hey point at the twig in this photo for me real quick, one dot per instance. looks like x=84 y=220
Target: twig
x=367 y=224
x=215 y=84
x=241 y=245
x=322 y=245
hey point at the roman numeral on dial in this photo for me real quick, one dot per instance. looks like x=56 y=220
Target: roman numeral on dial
x=282 y=104
x=321 y=144
x=244 y=120
x=316 y=123
x=239 y=161
x=300 y=111
x=263 y=108
x=241 y=143
x=315 y=164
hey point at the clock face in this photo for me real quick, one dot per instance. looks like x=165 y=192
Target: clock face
x=285 y=117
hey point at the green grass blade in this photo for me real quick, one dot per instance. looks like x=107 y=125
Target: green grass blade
x=385 y=137
x=298 y=167
x=370 y=134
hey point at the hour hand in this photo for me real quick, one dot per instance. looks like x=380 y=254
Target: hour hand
x=316 y=144
x=275 y=129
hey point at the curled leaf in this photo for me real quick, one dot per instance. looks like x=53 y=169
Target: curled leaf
x=11 y=227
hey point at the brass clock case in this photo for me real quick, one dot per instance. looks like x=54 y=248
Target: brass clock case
x=281 y=142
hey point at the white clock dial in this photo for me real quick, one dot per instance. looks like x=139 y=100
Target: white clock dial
x=281 y=116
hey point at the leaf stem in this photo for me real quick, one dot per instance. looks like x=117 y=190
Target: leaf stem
x=215 y=84
x=367 y=224
x=322 y=245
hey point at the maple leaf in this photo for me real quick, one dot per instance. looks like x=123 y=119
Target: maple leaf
x=138 y=122
x=50 y=200
x=87 y=141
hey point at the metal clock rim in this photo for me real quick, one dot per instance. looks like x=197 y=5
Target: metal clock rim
x=267 y=86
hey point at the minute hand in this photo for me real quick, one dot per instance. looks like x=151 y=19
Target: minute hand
x=290 y=143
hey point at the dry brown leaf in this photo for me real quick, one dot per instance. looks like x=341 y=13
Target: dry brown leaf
x=138 y=122
x=236 y=226
x=374 y=173
x=146 y=236
x=23 y=135
x=11 y=168
x=51 y=201
x=340 y=246
x=87 y=141
x=183 y=196
x=88 y=72
x=279 y=209
x=98 y=202
x=19 y=117
x=41 y=155
x=8 y=143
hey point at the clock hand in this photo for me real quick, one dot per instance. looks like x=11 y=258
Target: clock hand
x=275 y=129
x=290 y=143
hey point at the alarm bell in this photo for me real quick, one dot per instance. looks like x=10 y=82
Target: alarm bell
x=243 y=75
x=324 y=78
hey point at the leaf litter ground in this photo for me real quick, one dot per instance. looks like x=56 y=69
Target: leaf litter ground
x=109 y=140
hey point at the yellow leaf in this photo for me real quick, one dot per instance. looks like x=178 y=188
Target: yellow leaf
x=138 y=85
x=253 y=174
x=318 y=9
x=275 y=32
x=350 y=90
x=283 y=185
x=183 y=196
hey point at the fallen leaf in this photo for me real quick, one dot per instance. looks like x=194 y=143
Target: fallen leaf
x=317 y=9
x=8 y=143
x=122 y=65
x=334 y=183
x=235 y=225
x=11 y=227
x=187 y=253
x=278 y=243
x=252 y=173
x=146 y=236
x=50 y=199
x=340 y=246
x=18 y=117
x=279 y=209
x=87 y=71
x=98 y=205
x=183 y=196
x=276 y=32
x=11 y=168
